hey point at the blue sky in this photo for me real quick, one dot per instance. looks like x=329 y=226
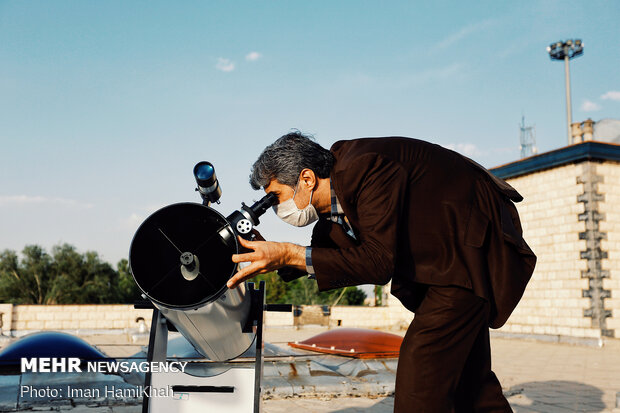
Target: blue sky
x=105 y=106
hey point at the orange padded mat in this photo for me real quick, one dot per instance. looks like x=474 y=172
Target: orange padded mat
x=353 y=342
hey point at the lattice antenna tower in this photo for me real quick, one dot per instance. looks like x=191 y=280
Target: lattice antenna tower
x=527 y=137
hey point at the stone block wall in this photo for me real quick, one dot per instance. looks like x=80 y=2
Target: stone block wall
x=392 y=316
x=278 y=319
x=110 y=319
x=6 y=312
x=610 y=225
x=358 y=316
x=75 y=318
x=567 y=214
x=571 y=220
x=553 y=302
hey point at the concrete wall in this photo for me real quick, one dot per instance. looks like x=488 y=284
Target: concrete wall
x=71 y=318
x=392 y=316
x=100 y=319
x=278 y=319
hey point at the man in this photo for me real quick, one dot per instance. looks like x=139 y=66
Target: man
x=435 y=223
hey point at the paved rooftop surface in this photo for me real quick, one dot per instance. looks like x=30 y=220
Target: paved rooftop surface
x=536 y=376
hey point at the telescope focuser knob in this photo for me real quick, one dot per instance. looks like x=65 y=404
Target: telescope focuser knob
x=244 y=226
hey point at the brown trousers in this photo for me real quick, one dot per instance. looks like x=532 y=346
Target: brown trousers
x=445 y=358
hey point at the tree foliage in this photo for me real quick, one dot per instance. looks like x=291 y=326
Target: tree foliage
x=63 y=277
x=128 y=291
x=66 y=276
x=304 y=291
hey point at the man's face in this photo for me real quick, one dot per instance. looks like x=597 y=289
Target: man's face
x=281 y=191
x=284 y=192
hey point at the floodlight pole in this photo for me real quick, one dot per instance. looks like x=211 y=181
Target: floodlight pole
x=566 y=51
x=569 y=114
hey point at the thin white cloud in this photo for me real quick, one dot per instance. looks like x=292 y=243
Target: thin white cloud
x=589 y=106
x=135 y=219
x=611 y=95
x=132 y=222
x=225 y=65
x=442 y=72
x=464 y=32
x=7 y=200
x=253 y=56
x=149 y=209
x=410 y=80
x=432 y=75
x=467 y=149
x=515 y=47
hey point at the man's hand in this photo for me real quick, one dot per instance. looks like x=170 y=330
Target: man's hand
x=266 y=256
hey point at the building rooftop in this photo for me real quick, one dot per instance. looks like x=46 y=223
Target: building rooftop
x=585 y=151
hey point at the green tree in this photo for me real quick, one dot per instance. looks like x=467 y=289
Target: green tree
x=378 y=295
x=275 y=288
x=305 y=291
x=64 y=277
x=25 y=282
x=68 y=277
x=354 y=296
x=81 y=278
x=128 y=291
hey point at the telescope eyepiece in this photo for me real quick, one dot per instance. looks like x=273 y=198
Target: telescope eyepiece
x=244 y=219
x=264 y=204
x=259 y=207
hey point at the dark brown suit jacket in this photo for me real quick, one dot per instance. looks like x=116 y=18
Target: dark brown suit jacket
x=422 y=214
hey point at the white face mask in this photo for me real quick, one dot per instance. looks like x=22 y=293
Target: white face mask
x=289 y=213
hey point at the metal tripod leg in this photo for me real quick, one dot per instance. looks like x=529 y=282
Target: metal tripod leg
x=258 y=297
x=158 y=347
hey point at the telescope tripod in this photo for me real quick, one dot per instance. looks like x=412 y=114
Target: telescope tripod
x=235 y=386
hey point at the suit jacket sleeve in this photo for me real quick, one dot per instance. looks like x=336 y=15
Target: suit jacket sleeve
x=325 y=234
x=288 y=274
x=374 y=191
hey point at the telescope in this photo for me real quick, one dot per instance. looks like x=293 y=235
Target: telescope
x=181 y=258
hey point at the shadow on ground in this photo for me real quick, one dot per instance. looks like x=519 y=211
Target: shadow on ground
x=555 y=396
x=385 y=405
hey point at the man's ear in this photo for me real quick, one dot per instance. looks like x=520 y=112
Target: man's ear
x=308 y=179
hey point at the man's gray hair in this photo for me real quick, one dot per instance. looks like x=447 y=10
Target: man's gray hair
x=284 y=160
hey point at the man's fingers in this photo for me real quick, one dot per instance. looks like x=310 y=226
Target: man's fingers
x=264 y=257
x=246 y=257
x=241 y=276
x=248 y=244
x=234 y=280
